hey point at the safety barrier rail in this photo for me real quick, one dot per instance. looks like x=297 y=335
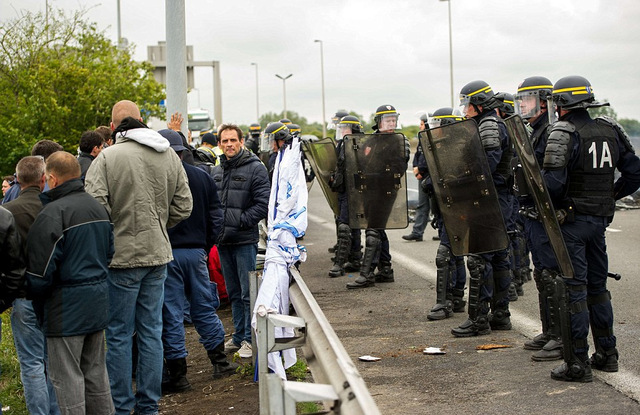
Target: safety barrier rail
x=338 y=384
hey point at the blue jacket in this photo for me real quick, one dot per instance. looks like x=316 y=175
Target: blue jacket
x=243 y=188
x=201 y=229
x=69 y=248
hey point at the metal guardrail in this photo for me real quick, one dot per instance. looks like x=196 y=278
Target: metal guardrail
x=338 y=384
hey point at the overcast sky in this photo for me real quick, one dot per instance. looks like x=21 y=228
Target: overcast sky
x=384 y=52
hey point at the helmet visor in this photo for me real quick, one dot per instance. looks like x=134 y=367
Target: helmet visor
x=528 y=104
x=465 y=101
x=342 y=130
x=388 y=122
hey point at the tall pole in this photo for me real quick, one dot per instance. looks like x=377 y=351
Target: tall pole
x=176 y=59
x=119 y=28
x=450 y=52
x=257 y=95
x=324 y=124
x=284 y=91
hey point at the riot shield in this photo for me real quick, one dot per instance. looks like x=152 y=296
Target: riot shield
x=464 y=189
x=321 y=155
x=538 y=190
x=376 y=181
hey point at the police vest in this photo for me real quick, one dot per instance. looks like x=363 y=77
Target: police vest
x=591 y=180
x=490 y=133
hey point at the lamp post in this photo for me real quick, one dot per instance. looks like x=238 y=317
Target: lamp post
x=324 y=124
x=284 y=91
x=450 y=52
x=257 y=94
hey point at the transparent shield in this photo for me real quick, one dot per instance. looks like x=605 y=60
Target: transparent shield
x=321 y=155
x=464 y=188
x=376 y=181
x=538 y=190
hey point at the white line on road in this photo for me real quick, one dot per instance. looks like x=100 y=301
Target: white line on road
x=624 y=381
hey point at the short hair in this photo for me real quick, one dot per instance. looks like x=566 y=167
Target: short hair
x=30 y=170
x=105 y=132
x=89 y=140
x=45 y=148
x=234 y=127
x=9 y=179
x=64 y=165
x=123 y=109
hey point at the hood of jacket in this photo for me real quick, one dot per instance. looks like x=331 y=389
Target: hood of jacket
x=144 y=136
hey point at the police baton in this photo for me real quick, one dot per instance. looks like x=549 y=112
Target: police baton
x=615 y=276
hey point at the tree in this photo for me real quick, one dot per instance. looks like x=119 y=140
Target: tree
x=60 y=77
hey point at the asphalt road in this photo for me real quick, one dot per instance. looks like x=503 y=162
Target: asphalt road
x=389 y=321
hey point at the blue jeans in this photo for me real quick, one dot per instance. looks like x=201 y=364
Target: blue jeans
x=422 y=212
x=188 y=275
x=31 y=347
x=236 y=262
x=135 y=304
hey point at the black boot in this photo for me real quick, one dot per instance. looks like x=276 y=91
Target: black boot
x=500 y=319
x=458 y=300
x=605 y=360
x=479 y=326
x=578 y=370
x=221 y=367
x=177 y=379
x=552 y=350
x=538 y=342
x=385 y=272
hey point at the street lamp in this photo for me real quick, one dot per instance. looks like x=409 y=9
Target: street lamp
x=284 y=91
x=257 y=95
x=450 y=52
x=324 y=124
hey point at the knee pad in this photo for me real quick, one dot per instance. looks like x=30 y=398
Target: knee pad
x=443 y=256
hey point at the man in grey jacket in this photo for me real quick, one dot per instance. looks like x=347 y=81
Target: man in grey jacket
x=144 y=188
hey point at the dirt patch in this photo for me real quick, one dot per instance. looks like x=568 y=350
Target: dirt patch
x=237 y=394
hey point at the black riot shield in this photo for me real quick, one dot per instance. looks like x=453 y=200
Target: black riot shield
x=538 y=190
x=321 y=155
x=376 y=181
x=464 y=189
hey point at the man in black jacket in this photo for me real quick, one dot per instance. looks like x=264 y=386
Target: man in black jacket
x=69 y=249
x=243 y=187
x=11 y=260
x=188 y=276
x=91 y=144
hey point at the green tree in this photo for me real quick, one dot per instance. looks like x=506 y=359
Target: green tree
x=632 y=127
x=59 y=77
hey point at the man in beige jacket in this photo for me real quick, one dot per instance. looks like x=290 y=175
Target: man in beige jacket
x=144 y=188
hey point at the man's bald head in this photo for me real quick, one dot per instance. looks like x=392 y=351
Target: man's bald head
x=122 y=110
x=61 y=167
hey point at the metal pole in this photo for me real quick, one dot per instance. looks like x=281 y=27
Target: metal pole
x=284 y=91
x=176 y=59
x=450 y=51
x=324 y=124
x=119 y=28
x=257 y=95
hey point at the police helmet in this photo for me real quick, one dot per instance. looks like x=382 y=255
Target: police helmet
x=278 y=131
x=348 y=125
x=385 y=112
x=444 y=116
x=532 y=92
x=477 y=93
x=572 y=92
x=506 y=102
x=294 y=129
x=336 y=118
x=255 y=129
x=285 y=121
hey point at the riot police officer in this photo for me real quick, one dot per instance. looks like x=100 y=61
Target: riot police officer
x=533 y=103
x=252 y=142
x=451 y=276
x=580 y=159
x=489 y=274
x=349 y=246
x=377 y=210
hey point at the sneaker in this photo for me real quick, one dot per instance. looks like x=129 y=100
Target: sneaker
x=412 y=237
x=245 y=350
x=230 y=346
